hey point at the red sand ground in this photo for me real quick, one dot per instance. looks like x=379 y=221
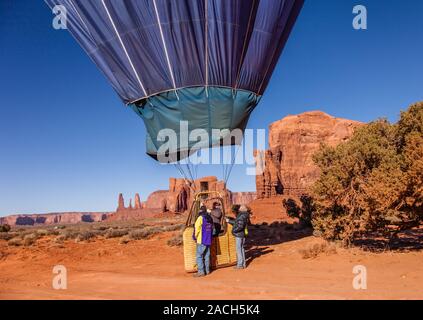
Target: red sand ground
x=149 y=269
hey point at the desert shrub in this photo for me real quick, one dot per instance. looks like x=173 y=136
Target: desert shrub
x=373 y=182
x=173 y=227
x=42 y=232
x=17 y=241
x=175 y=241
x=60 y=238
x=5 y=228
x=7 y=235
x=53 y=232
x=85 y=236
x=70 y=234
x=139 y=234
x=303 y=213
x=30 y=239
x=116 y=233
x=317 y=249
x=125 y=239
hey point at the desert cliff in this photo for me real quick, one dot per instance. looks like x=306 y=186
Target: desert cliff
x=289 y=167
x=53 y=218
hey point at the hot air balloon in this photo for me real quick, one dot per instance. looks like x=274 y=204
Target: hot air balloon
x=207 y=62
x=204 y=63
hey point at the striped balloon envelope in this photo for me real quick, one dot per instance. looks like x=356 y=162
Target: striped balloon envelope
x=204 y=63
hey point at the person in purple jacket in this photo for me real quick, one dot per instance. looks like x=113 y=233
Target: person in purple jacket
x=203 y=232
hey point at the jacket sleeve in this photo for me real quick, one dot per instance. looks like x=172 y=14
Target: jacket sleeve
x=239 y=225
x=198 y=227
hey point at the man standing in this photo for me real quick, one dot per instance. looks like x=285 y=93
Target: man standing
x=203 y=230
x=216 y=215
x=240 y=231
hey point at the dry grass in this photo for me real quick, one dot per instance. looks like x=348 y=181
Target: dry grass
x=314 y=250
x=116 y=233
x=16 y=242
x=125 y=240
x=125 y=231
x=176 y=240
x=85 y=236
x=30 y=239
x=8 y=235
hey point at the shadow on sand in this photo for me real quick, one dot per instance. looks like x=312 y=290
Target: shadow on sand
x=261 y=237
x=408 y=240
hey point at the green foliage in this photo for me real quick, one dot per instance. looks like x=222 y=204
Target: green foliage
x=304 y=212
x=4 y=228
x=373 y=181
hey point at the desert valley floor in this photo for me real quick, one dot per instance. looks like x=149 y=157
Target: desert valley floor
x=151 y=269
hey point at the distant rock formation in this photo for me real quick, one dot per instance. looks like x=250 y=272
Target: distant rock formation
x=158 y=200
x=53 y=218
x=178 y=198
x=121 y=203
x=289 y=167
x=137 y=202
x=243 y=198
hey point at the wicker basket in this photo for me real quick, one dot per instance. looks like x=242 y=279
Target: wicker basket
x=223 y=250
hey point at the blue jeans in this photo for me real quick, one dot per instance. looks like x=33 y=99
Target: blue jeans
x=240 y=252
x=203 y=259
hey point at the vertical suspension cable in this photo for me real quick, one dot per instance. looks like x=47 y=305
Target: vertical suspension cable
x=183 y=175
x=232 y=163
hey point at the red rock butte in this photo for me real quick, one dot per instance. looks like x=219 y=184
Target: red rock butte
x=289 y=167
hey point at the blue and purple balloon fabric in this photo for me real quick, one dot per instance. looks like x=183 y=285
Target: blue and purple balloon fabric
x=207 y=62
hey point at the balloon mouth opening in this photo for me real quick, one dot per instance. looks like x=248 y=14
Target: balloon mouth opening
x=195 y=118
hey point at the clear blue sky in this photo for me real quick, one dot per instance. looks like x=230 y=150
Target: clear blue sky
x=67 y=143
